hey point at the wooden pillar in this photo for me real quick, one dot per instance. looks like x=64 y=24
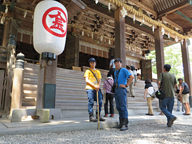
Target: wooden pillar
x=120 y=51
x=6 y=33
x=186 y=65
x=47 y=76
x=72 y=51
x=159 y=49
x=17 y=89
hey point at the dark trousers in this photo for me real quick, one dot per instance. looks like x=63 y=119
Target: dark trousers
x=121 y=101
x=109 y=98
x=92 y=95
x=111 y=72
x=167 y=107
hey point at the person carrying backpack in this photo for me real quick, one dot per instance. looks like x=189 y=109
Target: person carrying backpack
x=184 y=95
x=149 y=90
x=109 y=96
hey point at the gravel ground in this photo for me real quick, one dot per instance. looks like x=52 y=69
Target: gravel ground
x=140 y=134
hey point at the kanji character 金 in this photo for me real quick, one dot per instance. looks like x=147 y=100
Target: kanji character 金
x=58 y=23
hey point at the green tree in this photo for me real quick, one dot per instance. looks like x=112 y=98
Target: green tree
x=172 y=55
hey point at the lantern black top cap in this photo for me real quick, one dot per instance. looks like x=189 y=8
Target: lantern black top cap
x=91 y=60
x=118 y=59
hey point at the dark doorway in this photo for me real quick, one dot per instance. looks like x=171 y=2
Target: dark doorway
x=102 y=63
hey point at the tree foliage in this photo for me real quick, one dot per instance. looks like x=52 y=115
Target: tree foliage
x=172 y=55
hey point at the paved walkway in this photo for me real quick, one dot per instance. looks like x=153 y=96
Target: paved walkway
x=73 y=124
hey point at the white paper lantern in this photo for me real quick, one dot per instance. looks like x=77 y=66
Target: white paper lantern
x=50 y=27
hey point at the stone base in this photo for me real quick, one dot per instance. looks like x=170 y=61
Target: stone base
x=17 y=114
x=44 y=114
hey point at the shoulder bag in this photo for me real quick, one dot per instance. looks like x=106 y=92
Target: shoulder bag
x=115 y=85
x=160 y=94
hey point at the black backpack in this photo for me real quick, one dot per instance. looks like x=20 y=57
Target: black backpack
x=186 y=89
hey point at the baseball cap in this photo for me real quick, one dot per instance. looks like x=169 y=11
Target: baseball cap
x=91 y=60
x=118 y=59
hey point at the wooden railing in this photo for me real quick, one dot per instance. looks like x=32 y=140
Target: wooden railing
x=3 y=54
x=7 y=54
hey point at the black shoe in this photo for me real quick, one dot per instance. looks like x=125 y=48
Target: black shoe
x=125 y=123
x=170 y=123
x=120 y=123
x=147 y=114
x=100 y=118
x=151 y=114
x=91 y=118
x=186 y=114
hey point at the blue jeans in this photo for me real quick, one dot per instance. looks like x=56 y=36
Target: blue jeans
x=92 y=95
x=121 y=101
x=167 y=107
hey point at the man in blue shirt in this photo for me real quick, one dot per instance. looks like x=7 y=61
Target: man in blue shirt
x=120 y=79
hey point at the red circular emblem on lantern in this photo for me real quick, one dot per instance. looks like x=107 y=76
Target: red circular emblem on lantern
x=55 y=21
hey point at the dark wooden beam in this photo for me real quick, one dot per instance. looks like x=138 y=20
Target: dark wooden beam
x=174 y=8
x=184 y=16
x=186 y=30
x=104 y=9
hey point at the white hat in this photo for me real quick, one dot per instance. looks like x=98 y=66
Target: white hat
x=110 y=77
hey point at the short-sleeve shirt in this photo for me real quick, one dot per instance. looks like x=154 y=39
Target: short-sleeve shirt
x=186 y=88
x=169 y=82
x=91 y=77
x=108 y=86
x=112 y=62
x=132 y=74
x=150 y=89
x=124 y=74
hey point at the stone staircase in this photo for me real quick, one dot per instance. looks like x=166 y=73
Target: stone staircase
x=70 y=93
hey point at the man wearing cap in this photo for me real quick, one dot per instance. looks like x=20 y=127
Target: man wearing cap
x=93 y=79
x=184 y=95
x=121 y=75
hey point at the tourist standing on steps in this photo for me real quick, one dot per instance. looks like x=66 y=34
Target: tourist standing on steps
x=169 y=82
x=93 y=79
x=184 y=95
x=108 y=84
x=149 y=89
x=111 y=67
x=131 y=85
x=121 y=75
x=135 y=74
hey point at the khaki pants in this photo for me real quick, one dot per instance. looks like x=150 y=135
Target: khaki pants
x=131 y=89
x=149 y=102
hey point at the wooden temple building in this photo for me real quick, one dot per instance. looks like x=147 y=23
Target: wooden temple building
x=127 y=29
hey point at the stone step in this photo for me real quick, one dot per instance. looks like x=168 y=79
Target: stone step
x=84 y=97
x=31 y=95
x=82 y=104
x=77 y=108
x=29 y=102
